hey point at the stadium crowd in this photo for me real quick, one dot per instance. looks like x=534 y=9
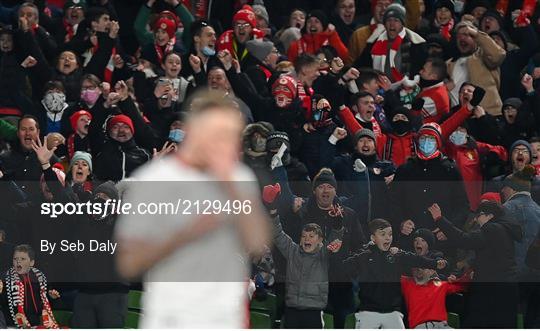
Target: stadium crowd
x=396 y=145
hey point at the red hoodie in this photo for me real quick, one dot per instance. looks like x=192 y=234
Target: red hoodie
x=468 y=162
x=400 y=148
x=311 y=43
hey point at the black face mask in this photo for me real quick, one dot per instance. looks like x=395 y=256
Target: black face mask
x=401 y=127
x=426 y=83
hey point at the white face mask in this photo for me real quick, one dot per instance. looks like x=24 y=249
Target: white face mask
x=458 y=138
x=54 y=102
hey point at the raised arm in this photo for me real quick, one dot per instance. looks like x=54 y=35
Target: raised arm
x=492 y=54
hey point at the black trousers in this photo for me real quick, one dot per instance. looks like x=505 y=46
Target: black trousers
x=491 y=306
x=92 y=311
x=303 y=319
x=530 y=302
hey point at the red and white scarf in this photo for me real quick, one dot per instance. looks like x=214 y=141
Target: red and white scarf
x=162 y=51
x=109 y=69
x=445 y=29
x=16 y=297
x=379 y=53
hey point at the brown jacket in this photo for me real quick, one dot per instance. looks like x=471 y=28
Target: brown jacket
x=483 y=66
x=360 y=36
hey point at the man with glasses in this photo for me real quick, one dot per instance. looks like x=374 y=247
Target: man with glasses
x=267 y=56
x=244 y=29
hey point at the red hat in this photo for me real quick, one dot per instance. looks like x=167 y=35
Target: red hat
x=166 y=24
x=284 y=90
x=433 y=129
x=286 y=81
x=246 y=14
x=73 y=119
x=491 y=196
x=121 y=119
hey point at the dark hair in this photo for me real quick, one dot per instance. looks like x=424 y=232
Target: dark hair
x=466 y=84
x=357 y=96
x=28 y=116
x=94 y=13
x=378 y=224
x=329 y=52
x=534 y=140
x=366 y=76
x=304 y=60
x=24 y=248
x=438 y=66
x=312 y=227
x=54 y=85
x=198 y=26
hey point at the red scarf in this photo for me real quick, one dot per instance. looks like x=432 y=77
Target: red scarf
x=527 y=9
x=70 y=30
x=305 y=97
x=162 y=51
x=445 y=29
x=379 y=54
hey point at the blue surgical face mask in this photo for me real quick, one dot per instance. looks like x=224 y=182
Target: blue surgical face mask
x=317 y=115
x=176 y=135
x=207 y=51
x=427 y=145
x=458 y=138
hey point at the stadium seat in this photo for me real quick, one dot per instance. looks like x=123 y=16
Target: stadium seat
x=350 y=321
x=453 y=320
x=62 y=317
x=134 y=300
x=132 y=320
x=267 y=306
x=259 y=320
x=520 y=321
x=328 y=321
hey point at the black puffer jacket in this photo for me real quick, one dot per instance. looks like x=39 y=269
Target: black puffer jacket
x=117 y=161
x=494 y=247
x=418 y=184
x=379 y=274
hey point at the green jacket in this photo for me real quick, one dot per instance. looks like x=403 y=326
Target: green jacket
x=7 y=131
x=146 y=37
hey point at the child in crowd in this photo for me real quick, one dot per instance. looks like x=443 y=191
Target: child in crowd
x=307 y=273
x=379 y=268
x=26 y=291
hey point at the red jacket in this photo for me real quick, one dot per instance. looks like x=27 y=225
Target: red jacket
x=468 y=162
x=310 y=44
x=436 y=102
x=428 y=302
x=400 y=148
